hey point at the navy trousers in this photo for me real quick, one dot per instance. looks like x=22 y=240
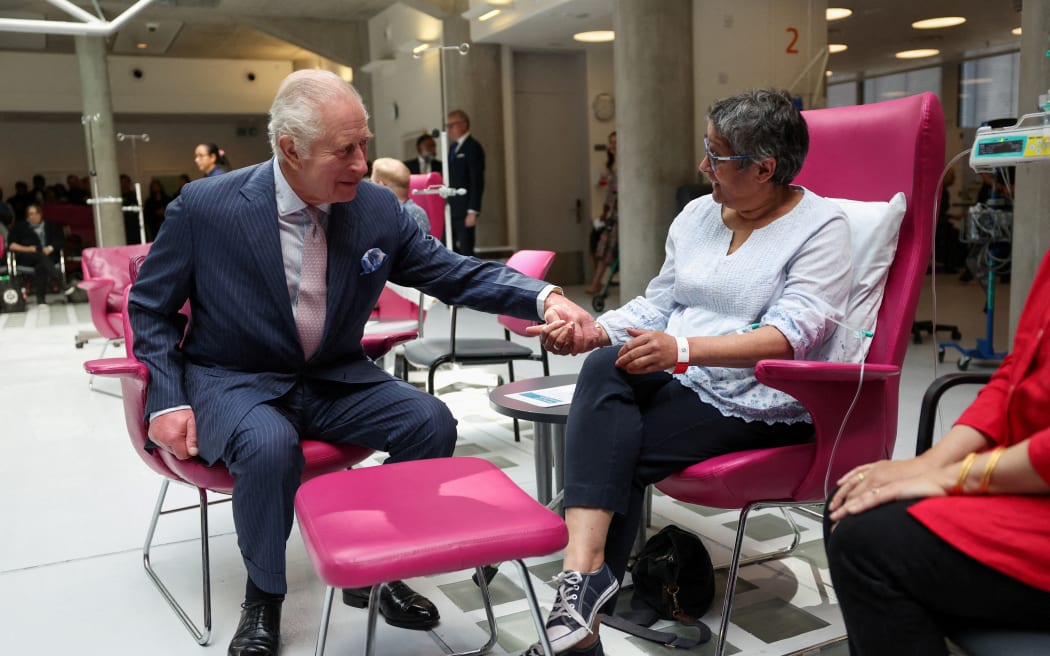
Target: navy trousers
x=627 y=431
x=267 y=462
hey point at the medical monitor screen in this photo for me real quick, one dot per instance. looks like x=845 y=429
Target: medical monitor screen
x=1003 y=147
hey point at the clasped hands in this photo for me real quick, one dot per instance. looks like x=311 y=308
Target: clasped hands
x=571 y=330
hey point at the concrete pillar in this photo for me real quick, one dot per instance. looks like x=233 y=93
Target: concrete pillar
x=473 y=83
x=1031 y=235
x=102 y=147
x=655 y=124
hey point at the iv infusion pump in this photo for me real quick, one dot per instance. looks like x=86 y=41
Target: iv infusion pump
x=1026 y=141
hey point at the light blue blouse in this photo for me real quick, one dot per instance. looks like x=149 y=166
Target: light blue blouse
x=793 y=274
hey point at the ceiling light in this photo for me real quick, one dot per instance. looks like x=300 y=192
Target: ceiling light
x=1016 y=31
x=484 y=11
x=937 y=23
x=917 y=54
x=141 y=46
x=597 y=36
x=837 y=47
x=837 y=13
x=828 y=73
x=420 y=49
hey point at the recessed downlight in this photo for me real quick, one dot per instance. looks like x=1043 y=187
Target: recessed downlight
x=938 y=23
x=837 y=47
x=1016 y=31
x=597 y=36
x=917 y=54
x=837 y=13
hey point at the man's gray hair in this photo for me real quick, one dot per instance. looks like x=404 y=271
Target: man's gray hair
x=761 y=124
x=298 y=103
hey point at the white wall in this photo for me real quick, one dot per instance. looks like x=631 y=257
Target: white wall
x=740 y=45
x=413 y=86
x=40 y=82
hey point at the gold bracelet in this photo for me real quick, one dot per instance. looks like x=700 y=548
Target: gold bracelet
x=964 y=471
x=986 y=477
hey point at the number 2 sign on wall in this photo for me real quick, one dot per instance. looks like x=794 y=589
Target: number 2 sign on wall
x=792 y=49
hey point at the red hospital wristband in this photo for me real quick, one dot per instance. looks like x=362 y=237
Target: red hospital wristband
x=683 y=355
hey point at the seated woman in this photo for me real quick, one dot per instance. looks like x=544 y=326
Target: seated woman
x=759 y=269
x=956 y=537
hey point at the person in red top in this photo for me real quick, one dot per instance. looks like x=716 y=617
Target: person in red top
x=959 y=536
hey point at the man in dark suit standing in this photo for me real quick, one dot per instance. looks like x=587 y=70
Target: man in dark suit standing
x=466 y=169
x=426 y=160
x=302 y=245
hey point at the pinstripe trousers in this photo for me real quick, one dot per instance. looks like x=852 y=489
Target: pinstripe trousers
x=265 y=459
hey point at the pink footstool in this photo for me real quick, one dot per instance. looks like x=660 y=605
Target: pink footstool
x=368 y=526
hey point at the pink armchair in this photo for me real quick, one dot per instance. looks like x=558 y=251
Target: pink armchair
x=866 y=153
x=321 y=457
x=106 y=276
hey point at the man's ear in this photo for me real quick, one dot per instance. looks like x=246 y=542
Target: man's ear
x=290 y=152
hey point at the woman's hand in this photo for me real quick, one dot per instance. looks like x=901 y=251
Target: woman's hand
x=873 y=484
x=648 y=351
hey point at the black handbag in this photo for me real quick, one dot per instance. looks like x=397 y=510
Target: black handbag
x=673 y=580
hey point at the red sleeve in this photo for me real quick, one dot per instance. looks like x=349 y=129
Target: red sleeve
x=1039 y=453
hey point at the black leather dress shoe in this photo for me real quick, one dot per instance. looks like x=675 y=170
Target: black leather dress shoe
x=259 y=631
x=399 y=605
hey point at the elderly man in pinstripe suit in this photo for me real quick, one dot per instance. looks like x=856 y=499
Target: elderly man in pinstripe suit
x=274 y=349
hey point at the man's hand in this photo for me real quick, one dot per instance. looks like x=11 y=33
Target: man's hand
x=471 y=220
x=176 y=433
x=648 y=351
x=569 y=329
x=49 y=250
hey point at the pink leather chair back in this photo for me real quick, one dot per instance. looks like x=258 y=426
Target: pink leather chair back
x=867 y=152
x=106 y=276
x=870 y=152
x=432 y=204
x=531 y=263
x=391 y=306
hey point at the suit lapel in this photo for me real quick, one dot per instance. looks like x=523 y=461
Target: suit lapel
x=258 y=223
x=343 y=267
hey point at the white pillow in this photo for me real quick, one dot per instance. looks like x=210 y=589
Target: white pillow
x=874 y=227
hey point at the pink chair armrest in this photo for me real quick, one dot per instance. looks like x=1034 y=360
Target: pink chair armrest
x=827 y=391
x=117 y=368
x=376 y=345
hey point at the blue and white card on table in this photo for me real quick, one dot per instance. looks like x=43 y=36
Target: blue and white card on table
x=548 y=397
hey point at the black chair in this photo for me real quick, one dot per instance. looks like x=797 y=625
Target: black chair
x=430 y=353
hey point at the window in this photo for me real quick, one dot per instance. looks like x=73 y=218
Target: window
x=988 y=89
x=842 y=94
x=898 y=85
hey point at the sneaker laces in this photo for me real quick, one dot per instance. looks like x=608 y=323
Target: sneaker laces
x=568 y=591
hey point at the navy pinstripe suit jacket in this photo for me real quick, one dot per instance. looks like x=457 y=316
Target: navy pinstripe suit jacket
x=219 y=248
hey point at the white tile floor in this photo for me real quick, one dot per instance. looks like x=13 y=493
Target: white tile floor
x=75 y=500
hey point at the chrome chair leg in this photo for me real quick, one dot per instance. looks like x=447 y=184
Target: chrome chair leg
x=534 y=608
x=326 y=614
x=201 y=636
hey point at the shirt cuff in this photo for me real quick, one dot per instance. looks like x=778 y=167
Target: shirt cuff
x=154 y=415
x=541 y=300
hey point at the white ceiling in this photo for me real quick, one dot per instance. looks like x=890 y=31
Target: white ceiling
x=215 y=28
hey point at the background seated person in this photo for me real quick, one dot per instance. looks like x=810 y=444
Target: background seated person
x=956 y=537
x=758 y=250
x=38 y=243
x=394 y=175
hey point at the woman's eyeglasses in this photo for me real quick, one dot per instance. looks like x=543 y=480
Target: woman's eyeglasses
x=715 y=159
